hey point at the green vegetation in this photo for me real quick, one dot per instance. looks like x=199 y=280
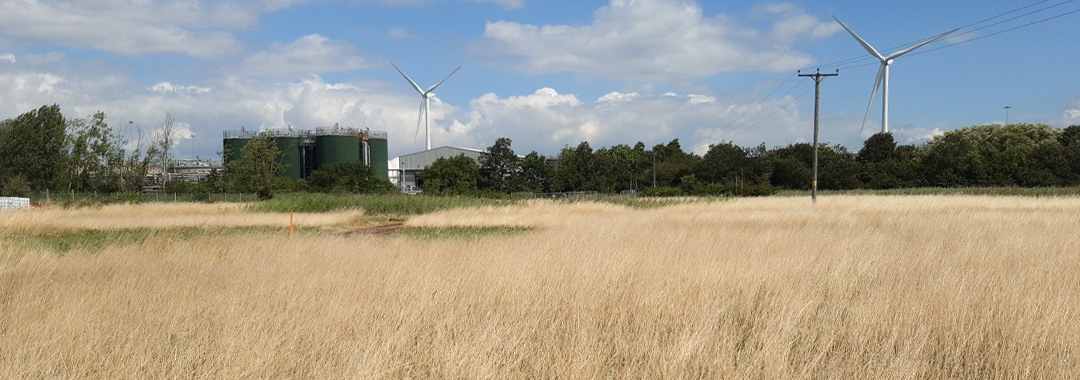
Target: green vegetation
x=96 y=240
x=394 y=204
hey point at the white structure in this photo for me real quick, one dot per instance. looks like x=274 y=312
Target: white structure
x=883 y=72
x=14 y=203
x=413 y=163
x=425 y=103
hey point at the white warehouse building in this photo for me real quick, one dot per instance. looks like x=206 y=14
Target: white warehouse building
x=410 y=164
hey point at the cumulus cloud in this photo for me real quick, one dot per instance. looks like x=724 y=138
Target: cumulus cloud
x=7 y=57
x=662 y=40
x=546 y=121
x=310 y=54
x=794 y=25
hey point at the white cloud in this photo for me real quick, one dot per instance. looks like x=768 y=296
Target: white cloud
x=795 y=25
x=132 y=27
x=166 y=87
x=661 y=40
x=310 y=54
x=617 y=97
x=7 y=57
x=546 y=121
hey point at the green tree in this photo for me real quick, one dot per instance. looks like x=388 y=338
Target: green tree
x=994 y=155
x=720 y=163
x=96 y=155
x=32 y=146
x=500 y=168
x=347 y=177
x=879 y=147
x=535 y=174
x=672 y=164
x=258 y=169
x=1069 y=168
x=454 y=176
x=576 y=165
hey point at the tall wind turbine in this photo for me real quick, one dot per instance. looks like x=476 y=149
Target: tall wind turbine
x=425 y=103
x=883 y=73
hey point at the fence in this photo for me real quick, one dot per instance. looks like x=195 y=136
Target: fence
x=69 y=196
x=565 y=194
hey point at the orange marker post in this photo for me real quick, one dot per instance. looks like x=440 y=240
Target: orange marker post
x=290 y=224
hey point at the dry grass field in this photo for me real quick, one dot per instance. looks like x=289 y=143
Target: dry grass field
x=770 y=288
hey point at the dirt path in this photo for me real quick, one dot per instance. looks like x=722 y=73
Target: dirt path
x=381 y=229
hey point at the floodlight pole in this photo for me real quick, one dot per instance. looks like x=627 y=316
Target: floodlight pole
x=817 y=100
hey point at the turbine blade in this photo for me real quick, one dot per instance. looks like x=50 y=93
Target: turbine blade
x=862 y=42
x=420 y=120
x=417 y=87
x=873 y=94
x=443 y=80
x=918 y=45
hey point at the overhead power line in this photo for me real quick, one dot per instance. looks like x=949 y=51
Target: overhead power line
x=863 y=60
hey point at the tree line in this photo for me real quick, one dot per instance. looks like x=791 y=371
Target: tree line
x=42 y=150
x=1022 y=155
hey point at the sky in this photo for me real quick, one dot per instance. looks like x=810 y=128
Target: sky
x=545 y=73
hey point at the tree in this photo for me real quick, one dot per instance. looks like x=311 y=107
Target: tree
x=500 y=168
x=879 y=147
x=96 y=155
x=164 y=144
x=258 y=169
x=454 y=176
x=720 y=163
x=672 y=164
x=347 y=177
x=535 y=174
x=576 y=165
x=32 y=147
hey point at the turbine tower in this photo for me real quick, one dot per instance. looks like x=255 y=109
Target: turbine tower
x=883 y=73
x=425 y=103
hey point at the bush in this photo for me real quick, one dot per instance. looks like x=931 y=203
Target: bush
x=15 y=186
x=662 y=191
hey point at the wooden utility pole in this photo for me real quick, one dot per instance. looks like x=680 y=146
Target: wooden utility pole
x=817 y=100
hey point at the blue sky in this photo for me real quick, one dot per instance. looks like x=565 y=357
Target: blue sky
x=547 y=74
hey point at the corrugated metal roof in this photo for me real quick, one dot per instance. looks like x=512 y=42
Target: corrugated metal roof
x=421 y=160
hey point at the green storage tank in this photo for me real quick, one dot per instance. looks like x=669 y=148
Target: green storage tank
x=337 y=147
x=233 y=144
x=379 y=154
x=289 y=146
x=234 y=149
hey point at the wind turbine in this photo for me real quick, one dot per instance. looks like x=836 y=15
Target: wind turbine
x=883 y=73
x=425 y=103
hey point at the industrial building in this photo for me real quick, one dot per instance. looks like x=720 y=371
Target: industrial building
x=305 y=151
x=410 y=164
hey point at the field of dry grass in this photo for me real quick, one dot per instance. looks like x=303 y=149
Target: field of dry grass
x=852 y=287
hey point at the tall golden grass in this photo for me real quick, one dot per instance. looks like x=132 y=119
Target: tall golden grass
x=852 y=287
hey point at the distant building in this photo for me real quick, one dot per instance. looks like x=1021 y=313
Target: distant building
x=410 y=164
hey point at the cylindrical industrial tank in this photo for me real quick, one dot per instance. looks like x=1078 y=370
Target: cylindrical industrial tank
x=379 y=154
x=289 y=147
x=234 y=143
x=337 y=145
